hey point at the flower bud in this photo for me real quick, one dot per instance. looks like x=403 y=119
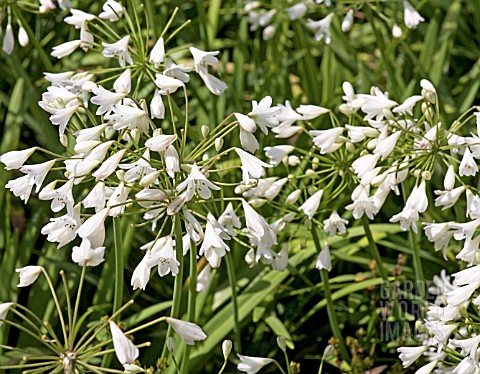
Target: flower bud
x=396 y=31
x=120 y=175
x=281 y=343
x=88 y=86
x=250 y=258
x=205 y=131
x=348 y=21
x=226 y=348
x=293 y=197
x=311 y=174
x=23 y=39
x=293 y=160
x=328 y=351
x=257 y=203
x=218 y=144
x=8 y=40
x=350 y=147
x=269 y=32
x=149 y=179
x=64 y=140
x=426 y=175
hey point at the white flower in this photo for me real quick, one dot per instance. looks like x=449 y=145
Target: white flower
x=407 y=106
x=251 y=364
x=8 y=40
x=63 y=229
x=62 y=117
x=166 y=84
x=461 y=295
x=428 y=91
x=124 y=348
x=409 y=355
x=139 y=168
x=172 y=161
x=251 y=166
x=321 y=28
x=202 y=60
x=105 y=99
x=323 y=259
x=85 y=255
x=93 y=228
x=188 y=331
x=118 y=200
x=15 y=159
x=112 y=10
x=263 y=114
x=447 y=199
x=229 y=220
x=197 y=182
x=141 y=274
x=386 y=146
x=119 y=49
x=109 y=166
x=96 y=197
x=203 y=279
x=277 y=153
x=469 y=347
x=296 y=11
x=177 y=71
x=164 y=256
x=38 y=172
x=128 y=116
x=310 y=206
x=468 y=166
x=60 y=196
x=258 y=226
x=310 y=112
x=21 y=187
x=376 y=105
x=411 y=17
x=78 y=18
x=157 y=55
x=362 y=203
x=28 y=275
x=4 y=308
x=160 y=143
x=123 y=83
x=65 y=49
x=468 y=276
x=46 y=5
x=439 y=234
x=335 y=224
x=213 y=246
x=326 y=139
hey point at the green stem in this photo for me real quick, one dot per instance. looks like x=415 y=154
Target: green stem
x=372 y=246
x=77 y=304
x=177 y=287
x=192 y=296
x=233 y=285
x=117 y=298
x=332 y=317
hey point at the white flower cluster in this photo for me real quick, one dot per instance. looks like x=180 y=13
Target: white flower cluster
x=259 y=17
